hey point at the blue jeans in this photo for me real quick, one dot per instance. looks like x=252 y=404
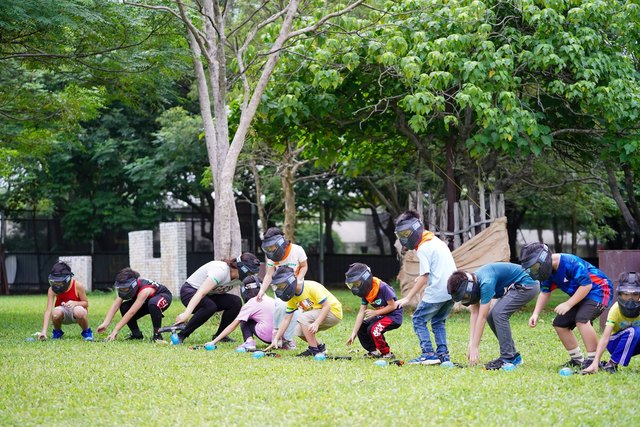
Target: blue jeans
x=436 y=313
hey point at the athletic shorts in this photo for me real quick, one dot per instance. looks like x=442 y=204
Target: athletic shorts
x=68 y=317
x=585 y=311
x=308 y=317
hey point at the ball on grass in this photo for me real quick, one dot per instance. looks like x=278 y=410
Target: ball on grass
x=508 y=367
x=30 y=339
x=241 y=350
x=258 y=354
x=380 y=363
x=209 y=346
x=447 y=364
x=320 y=357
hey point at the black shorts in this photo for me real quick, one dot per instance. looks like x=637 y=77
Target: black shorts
x=585 y=311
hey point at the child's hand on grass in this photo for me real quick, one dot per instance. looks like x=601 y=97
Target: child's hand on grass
x=533 y=320
x=351 y=339
x=102 y=328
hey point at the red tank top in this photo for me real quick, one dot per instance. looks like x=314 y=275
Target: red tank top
x=70 y=294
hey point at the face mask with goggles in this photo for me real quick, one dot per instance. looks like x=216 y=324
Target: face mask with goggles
x=59 y=282
x=629 y=296
x=468 y=293
x=538 y=265
x=285 y=285
x=359 y=280
x=127 y=289
x=275 y=247
x=247 y=268
x=409 y=232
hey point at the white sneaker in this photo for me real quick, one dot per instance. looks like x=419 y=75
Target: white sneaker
x=249 y=345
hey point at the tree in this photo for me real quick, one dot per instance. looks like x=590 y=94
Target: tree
x=223 y=38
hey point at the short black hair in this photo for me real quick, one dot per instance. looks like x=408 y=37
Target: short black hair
x=126 y=274
x=457 y=279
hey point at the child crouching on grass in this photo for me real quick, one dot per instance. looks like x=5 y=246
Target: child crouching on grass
x=255 y=317
x=66 y=303
x=320 y=309
x=371 y=325
x=621 y=334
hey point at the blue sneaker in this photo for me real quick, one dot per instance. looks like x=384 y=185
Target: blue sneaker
x=426 y=359
x=57 y=334
x=517 y=360
x=444 y=357
x=496 y=364
x=87 y=334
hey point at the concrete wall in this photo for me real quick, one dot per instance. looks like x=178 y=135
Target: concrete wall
x=171 y=268
x=82 y=270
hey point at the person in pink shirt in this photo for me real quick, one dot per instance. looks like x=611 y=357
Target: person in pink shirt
x=255 y=317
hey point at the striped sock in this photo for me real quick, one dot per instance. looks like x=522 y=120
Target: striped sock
x=576 y=354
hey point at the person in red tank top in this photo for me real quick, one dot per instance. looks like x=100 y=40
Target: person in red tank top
x=66 y=303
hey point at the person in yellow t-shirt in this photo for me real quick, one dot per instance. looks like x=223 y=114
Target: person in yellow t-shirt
x=321 y=310
x=621 y=336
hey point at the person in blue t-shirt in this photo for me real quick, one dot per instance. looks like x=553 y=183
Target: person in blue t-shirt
x=589 y=291
x=513 y=288
x=371 y=324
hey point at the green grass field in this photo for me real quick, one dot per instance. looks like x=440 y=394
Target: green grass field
x=76 y=383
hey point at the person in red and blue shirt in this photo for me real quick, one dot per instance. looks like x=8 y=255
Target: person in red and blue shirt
x=589 y=291
x=371 y=324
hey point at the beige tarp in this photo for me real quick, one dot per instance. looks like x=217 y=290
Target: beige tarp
x=490 y=245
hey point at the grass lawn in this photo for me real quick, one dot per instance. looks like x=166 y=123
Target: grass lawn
x=76 y=383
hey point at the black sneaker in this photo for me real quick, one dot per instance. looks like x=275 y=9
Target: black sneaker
x=225 y=339
x=494 y=365
x=573 y=364
x=444 y=357
x=586 y=363
x=157 y=338
x=611 y=367
x=135 y=335
x=308 y=352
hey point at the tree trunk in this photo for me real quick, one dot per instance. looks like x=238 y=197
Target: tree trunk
x=288 y=179
x=377 y=226
x=628 y=216
x=262 y=215
x=329 y=246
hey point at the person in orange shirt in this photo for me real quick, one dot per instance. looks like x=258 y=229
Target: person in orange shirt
x=66 y=303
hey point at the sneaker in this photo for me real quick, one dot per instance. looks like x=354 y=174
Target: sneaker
x=375 y=354
x=135 y=335
x=586 y=363
x=157 y=339
x=444 y=357
x=288 y=345
x=87 y=334
x=57 y=334
x=611 y=367
x=248 y=345
x=308 y=352
x=322 y=349
x=496 y=364
x=517 y=360
x=425 y=359
x=389 y=356
x=573 y=364
x=225 y=339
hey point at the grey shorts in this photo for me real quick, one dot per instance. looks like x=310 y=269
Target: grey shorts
x=308 y=317
x=68 y=317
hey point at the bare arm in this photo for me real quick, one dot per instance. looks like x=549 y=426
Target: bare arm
x=357 y=324
x=281 y=330
x=109 y=317
x=418 y=283
x=578 y=296
x=140 y=300
x=543 y=300
x=47 y=314
x=82 y=295
x=391 y=305
x=302 y=271
x=232 y=327
x=477 y=329
x=203 y=290
x=268 y=275
x=324 y=312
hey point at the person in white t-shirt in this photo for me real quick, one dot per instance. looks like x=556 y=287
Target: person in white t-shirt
x=281 y=252
x=205 y=292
